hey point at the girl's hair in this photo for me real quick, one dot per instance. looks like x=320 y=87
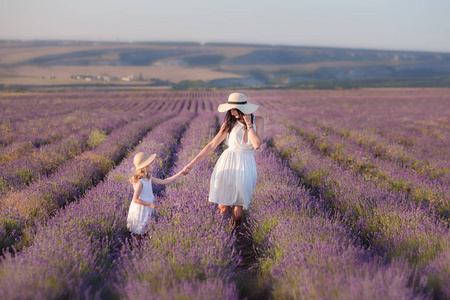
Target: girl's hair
x=138 y=175
x=230 y=120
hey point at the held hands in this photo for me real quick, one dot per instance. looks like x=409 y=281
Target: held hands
x=186 y=169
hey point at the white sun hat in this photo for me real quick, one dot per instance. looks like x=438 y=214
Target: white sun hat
x=142 y=160
x=238 y=101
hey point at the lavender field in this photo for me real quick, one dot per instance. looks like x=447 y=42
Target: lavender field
x=352 y=199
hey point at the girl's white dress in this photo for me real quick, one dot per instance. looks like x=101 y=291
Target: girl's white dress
x=138 y=215
x=234 y=176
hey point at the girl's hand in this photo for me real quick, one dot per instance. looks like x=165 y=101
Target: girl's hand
x=152 y=205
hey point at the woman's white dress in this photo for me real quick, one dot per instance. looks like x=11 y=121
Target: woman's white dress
x=234 y=176
x=138 y=215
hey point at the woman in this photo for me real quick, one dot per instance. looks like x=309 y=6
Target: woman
x=234 y=176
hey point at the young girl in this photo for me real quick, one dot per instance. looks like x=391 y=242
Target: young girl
x=142 y=206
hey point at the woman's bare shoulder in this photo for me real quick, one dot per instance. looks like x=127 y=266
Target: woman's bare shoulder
x=259 y=119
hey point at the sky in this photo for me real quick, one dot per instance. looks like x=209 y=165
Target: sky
x=413 y=25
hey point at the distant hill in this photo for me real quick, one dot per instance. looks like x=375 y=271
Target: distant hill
x=302 y=56
x=229 y=65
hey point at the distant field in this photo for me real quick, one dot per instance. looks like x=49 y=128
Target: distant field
x=41 y=75
x=191 y=65
x=16 y=68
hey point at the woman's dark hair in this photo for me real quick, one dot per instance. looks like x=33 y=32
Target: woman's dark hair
x=230 y=120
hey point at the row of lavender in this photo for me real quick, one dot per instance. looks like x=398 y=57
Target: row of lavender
x=28 y=162
x=21 y=136
x=72 y=255
x=381 y=172
x=411 y=151
x=386 y=136
x=53 y=124
x=394 y=138
x=22 y=107
x=398 y=124
x=306 y=253
x=385 y=220
x=21 y=210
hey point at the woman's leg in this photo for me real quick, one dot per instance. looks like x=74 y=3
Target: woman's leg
x=223 y=210
x=238 y=214
x=138 y=237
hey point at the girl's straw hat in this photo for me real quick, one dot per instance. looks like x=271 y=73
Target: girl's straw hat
x=142 y=160
x=238 y=101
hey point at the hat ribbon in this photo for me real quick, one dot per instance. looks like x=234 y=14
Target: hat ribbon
x=231 y=102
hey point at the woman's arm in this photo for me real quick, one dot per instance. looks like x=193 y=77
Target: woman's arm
x=220 y=136
x=137 y=193
x=256 y=138
x=167 y=180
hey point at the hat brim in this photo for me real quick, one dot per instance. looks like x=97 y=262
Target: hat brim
x=146 y=162
x=247 y=108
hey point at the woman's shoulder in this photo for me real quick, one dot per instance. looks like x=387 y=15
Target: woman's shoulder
x=259 y=119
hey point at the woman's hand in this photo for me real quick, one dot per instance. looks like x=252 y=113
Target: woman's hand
x=248 y=120
x=186 y=169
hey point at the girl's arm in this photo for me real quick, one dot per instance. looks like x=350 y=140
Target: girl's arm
x=137 y=193
x=256 y=138
x=220 y=136
x=167 y=180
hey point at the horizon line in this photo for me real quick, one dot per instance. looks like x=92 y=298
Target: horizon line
x=216 y=43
